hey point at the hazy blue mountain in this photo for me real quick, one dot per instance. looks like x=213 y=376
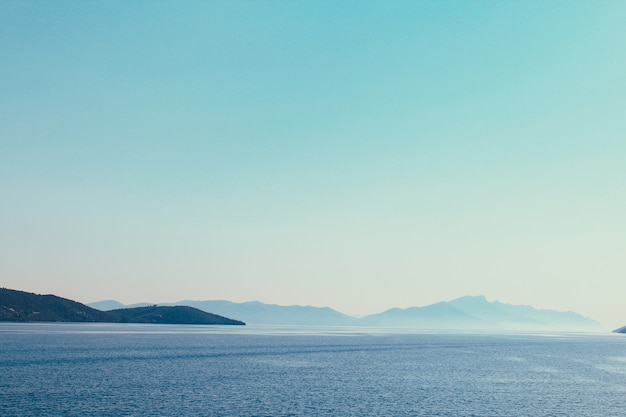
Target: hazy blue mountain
x=508 y=315
x=620 y=330
x=471 y=312
x=254 y=312
x=475 y=312
x=435 y=316
x=106 y=305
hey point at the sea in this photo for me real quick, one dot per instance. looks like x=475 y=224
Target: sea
x=57 y=369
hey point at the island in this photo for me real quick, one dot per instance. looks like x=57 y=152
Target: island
x=620 y=330
x=20 y=306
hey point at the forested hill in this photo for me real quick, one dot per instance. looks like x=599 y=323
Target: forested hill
x=170 y=315
x=24 y=306
x=20 y=306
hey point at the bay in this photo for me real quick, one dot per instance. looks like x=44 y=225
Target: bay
x=57 y=369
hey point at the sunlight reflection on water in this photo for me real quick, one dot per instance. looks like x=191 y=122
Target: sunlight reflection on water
x=129 y=369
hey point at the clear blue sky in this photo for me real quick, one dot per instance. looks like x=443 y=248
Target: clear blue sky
x=356 y=154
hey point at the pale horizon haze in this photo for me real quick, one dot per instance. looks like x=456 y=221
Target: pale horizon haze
x=360 y=155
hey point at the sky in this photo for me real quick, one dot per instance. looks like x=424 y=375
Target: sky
x=361 y=155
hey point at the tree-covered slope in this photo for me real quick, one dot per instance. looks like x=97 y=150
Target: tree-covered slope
x=170 y=315
x=23 y=306
x=20 y=306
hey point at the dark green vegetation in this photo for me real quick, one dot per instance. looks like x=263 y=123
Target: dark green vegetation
x=170 y=315
x=25 y=306
x=20 y=306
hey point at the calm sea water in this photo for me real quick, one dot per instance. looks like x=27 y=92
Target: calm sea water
x=148 y=370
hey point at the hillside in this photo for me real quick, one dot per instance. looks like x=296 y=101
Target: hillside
x=170 y=315
x=23 y=306
x=20 y=306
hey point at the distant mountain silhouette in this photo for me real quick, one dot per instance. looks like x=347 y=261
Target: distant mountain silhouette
x=471 y=312
x=20 y=306
x=260 y=313
x=440 y=315
x=475 y=312
x=255 y=312
x=107 y=305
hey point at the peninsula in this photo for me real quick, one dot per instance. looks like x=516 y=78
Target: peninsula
x=20 y=306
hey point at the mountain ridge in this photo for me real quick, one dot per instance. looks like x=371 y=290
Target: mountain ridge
x=468 y=312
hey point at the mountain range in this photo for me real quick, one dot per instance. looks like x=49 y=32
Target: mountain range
x=470 y=312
